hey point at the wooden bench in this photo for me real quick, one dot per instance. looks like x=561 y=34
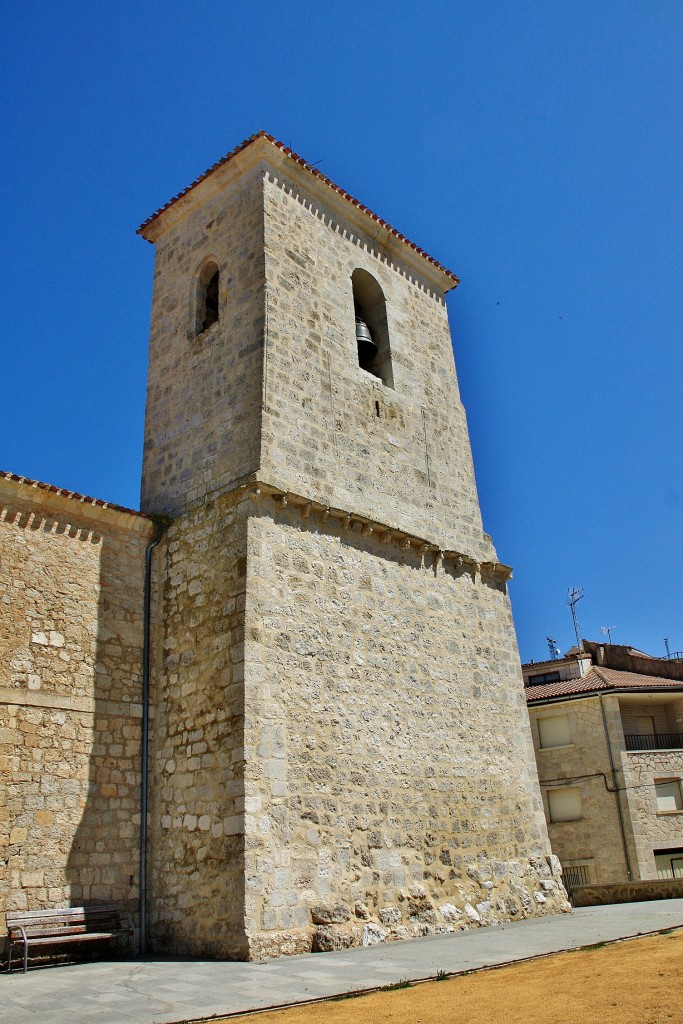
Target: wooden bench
x=73 y=924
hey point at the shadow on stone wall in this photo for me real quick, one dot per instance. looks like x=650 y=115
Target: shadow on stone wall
x=103 y=861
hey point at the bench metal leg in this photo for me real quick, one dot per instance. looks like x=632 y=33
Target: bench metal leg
x=24 y=939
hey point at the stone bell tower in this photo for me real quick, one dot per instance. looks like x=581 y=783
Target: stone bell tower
x=341 y=750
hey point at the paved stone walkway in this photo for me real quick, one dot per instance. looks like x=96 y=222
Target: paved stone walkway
x=164 y=991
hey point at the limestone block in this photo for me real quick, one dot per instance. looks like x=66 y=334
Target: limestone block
x=330 y=937
x=450 y=913
x=472 y=914
x=373 y=934
x=389 y=915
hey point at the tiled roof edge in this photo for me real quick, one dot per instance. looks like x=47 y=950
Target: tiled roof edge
x=312 y=170
x=599 y=681
x=601 y=675
x=63 y=492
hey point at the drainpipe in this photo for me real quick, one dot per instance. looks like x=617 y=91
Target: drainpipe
x=144 y=774
x=616 y=793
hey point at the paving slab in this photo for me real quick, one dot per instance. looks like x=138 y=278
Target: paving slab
x=166 y=991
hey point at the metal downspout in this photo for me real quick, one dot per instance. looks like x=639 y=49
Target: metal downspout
x=144 y=774
x=616 y=792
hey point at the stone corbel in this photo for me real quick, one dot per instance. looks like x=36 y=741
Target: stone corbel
x=496 y=572
x=471 y=566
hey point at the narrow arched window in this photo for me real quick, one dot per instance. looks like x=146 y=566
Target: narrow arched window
x=372 y=331
x=207 y=297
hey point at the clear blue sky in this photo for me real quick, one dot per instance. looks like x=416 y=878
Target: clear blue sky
x=534 y=148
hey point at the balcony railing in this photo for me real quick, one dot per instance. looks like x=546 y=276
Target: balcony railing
x=655 y=741
x=576 y=874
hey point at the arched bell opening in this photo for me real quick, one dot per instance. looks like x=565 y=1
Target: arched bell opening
x=371 y=329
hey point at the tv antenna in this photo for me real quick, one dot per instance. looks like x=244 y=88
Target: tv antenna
x=575 y=595
x=607 y=631
x=553 y=648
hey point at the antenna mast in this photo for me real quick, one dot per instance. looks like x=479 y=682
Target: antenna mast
x=607 y=631
x=553 y=648
x=575 y=595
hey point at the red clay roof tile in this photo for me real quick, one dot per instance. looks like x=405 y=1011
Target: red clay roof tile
x=318 y=174
x=599 y=679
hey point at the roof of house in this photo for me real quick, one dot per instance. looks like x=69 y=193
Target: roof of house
x=599 y=679
x=295 y=158
x=83 y=499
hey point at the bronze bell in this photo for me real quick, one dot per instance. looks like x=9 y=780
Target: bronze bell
x=367 y=350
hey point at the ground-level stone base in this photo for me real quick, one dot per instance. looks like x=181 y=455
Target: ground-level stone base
x=627 y=892
x=532 y=890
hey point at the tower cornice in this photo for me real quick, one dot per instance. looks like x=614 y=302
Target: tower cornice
x=434 y=554
x=263 y=146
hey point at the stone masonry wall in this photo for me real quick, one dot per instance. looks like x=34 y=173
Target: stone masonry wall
x=652 y=830
x=71 y=633
x=333 y=431
x=390 y=788
x=627 y=892
x=202 y=433
x=339 y=722
x=196 y=764
x=595 y=839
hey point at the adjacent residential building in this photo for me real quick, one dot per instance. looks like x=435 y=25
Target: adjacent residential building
x=607 y=726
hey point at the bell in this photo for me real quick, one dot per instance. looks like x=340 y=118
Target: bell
x=367 y=350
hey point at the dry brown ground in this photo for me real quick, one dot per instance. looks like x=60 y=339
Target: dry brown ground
x=639 y=981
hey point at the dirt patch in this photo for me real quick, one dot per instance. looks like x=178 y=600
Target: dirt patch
x=638 y=981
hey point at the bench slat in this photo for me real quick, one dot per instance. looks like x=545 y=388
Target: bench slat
x=48 y=940
x=38 y=919
x=68 y=924
x=35 y=932
x=80 y=913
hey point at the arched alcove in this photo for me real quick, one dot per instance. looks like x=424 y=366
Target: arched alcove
x=206 y=303
x=372 y=331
